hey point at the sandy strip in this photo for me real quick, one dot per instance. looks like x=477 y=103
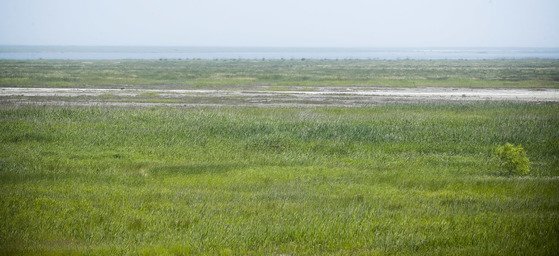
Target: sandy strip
x=340 y=96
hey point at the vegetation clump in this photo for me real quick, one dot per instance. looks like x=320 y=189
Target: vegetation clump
x=513 y=159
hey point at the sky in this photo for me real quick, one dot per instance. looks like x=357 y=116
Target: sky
x=281 y=23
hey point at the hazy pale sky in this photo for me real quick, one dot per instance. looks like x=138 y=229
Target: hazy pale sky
x=343 y=23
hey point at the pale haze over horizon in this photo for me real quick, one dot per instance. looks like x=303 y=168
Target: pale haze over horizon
x=287 y=23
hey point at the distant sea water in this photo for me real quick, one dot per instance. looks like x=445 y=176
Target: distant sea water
x=124 y=52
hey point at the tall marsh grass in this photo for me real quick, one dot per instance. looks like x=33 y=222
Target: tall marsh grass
x=394 y=180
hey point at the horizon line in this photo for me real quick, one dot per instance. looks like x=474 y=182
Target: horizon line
x=260 y=46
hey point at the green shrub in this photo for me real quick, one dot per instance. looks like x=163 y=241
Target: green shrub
x=512 y=159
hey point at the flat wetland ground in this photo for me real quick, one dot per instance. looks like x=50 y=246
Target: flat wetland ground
x=398 y=178
x=279 y=74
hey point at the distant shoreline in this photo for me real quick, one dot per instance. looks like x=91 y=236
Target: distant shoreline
x=14 y=52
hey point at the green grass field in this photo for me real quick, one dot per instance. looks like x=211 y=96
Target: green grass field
x=387 y=180
x=277 y=74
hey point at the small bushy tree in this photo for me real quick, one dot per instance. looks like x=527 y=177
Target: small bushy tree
x=512 y=159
